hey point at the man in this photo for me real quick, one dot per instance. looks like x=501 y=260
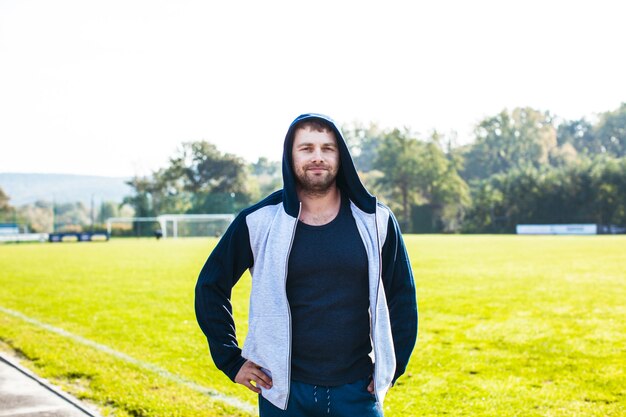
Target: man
x=333 y=314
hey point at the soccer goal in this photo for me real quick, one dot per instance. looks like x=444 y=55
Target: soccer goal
x=188 y=225
x=181 y=225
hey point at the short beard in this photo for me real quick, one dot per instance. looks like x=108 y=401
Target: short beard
x=315 y=189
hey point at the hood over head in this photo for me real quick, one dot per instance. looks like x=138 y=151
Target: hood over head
x=348 y=180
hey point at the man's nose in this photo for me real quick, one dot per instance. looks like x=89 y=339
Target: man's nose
x=318 y=156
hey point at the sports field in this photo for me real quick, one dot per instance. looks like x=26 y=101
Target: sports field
x=509 y=326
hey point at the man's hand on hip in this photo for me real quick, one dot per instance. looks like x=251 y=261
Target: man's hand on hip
x=251 y=372
x=370 y=387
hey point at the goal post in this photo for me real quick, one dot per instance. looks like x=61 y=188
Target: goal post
x=194 y=224
x=175 y=225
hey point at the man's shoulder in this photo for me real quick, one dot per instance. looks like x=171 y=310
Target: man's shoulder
x=386 y=213
x=262 y=212
x=272 y=200
x=255 y=214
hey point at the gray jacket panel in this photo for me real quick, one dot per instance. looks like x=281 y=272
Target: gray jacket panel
x=268 y=342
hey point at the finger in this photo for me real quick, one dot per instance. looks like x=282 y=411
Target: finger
x=262 y=378
x=258 y=383
x=254 y=369
x=370 y=387
x=252 y=387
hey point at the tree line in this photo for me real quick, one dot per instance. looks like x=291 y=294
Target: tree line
x=44 y=216
x=523 y=166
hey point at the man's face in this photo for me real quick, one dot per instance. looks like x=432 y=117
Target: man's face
x=315 y=159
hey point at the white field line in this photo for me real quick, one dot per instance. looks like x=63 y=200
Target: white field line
x=214 y=394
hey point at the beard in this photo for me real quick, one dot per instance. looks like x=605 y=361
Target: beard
x=314 y=183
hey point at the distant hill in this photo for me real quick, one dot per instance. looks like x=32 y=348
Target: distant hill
x=63 y=188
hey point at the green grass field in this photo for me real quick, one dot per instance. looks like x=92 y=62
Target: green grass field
x=509 y=325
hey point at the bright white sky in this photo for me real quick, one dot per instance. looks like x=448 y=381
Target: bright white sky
x=113 y=87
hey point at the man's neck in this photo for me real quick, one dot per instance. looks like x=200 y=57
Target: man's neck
x=319 y=209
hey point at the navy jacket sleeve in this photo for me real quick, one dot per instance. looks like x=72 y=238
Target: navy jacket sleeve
x=228 y=261
x=400 y=293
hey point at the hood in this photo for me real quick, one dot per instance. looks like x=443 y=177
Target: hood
x=348 y=180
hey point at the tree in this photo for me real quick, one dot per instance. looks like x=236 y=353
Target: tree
x=107 y=210
x=142 y=200
x=268 y=175
x=198 y=179
x=71 y=217
x=610 y=131
x=579 y=134
x=38 y=216
x=364 y=143
x=563 y=155
x=608 y=180
x=504 y=200
x=6 y=210
x=217 y=182
x=420 y=172
x=398 y=157
x=591 y=191
x=523 y=138
x=607 y=136
x=442 y=185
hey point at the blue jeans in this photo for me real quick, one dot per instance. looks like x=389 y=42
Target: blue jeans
x=350 y=400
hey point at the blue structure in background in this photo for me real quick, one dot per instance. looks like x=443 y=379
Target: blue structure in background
x=9 y=228
x=79 y=237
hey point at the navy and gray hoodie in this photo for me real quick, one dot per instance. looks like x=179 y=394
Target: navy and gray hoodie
x=260 y=239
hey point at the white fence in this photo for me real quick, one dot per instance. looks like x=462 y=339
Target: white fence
x=556 y=229
x=24 y=237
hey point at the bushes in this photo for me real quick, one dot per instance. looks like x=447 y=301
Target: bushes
x=590 y=191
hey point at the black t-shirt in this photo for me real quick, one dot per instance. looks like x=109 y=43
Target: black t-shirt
x=327 y=289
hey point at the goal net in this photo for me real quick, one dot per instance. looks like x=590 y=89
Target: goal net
x=189 y=225
x=179 y=225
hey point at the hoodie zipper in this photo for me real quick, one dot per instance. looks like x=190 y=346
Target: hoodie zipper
x=378 y=280
x=293 y=234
